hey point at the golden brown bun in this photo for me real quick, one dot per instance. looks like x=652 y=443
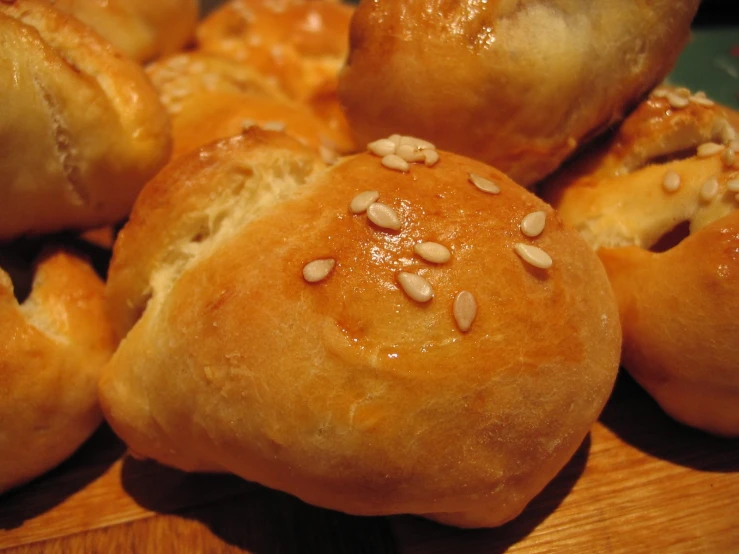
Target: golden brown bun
x=51 y=350
x=346 y=392
x=679 y=311
x=211 y=97
x=678 y=304
x=301 y=43
x=81 y=127
x=141 y=29
x=517 y=84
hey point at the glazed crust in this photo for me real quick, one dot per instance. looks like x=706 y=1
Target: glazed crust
x=519 y=84
x=346 y=392
x=81 y=127
x=51 y=350
x=141 y=29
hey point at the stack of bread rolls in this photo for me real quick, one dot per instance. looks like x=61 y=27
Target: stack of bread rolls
x=81 y=130
x=371 y=312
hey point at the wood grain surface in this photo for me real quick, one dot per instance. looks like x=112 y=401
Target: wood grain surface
x=639 y=483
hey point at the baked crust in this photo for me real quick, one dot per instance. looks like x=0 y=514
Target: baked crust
x=51 y=350
x=81 y=127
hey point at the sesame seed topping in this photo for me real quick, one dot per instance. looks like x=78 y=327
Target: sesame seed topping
x=382 y=147
x=415 y=286
x=702 y=101
x=709 y=190
x=734 y=145
x=363 y=200
x=395 y=139
x=392 y=161
x=383 y=216
x=328 y=155
x=318 y=270
x=248 y=124
x=533 y=224
x=728 y=156
x=485 y=185
x=278 y=126
x=676 y=101
x=464 y=310
x=410 y=153
x=533 y=255
x=733 y=185
x=708 y=149
x=728 y=133
x=433 y=252
x=417 y=143
x=683 y=92
x=431 y=157
x=659 y=93
x=671 y=181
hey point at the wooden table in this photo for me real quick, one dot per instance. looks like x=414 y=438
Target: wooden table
x=639 y=483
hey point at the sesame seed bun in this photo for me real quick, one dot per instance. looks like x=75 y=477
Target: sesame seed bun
x=141 y=29
x=81 y=127
x=51 y=350
x=269 y=333
x=520 y=85
x=669 y=173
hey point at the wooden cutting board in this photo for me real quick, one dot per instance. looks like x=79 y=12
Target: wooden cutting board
x=639 y=483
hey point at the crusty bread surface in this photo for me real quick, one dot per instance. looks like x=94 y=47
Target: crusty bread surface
x=52 y=347
x=81 y=128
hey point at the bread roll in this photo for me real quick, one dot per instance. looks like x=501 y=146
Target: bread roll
x=669 y=173
x=301 y=43
x=212 y=97
x=141 y=29
x=81 y=127
x=277 y=330
x=519 y=84
x=52 y=347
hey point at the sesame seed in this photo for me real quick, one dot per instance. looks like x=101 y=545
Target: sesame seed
x=383 y=216
x=700 y=94
x=431 y=157
x=702 y=101
x=734 y=145
x=363 y=200
x=533 y=255
x=410 y=153
x=415 y=286
x=395 y=139
x=418 y=143
x=708 y=149
x=247 y=124
x=671 y=181
x=728 y=133
x=684 y=92
x=733 y=185
x=433 y=252
x=659 y=93
x=533 y=224
x=676 y=101
x=392 y=161
x=728 y=156
x=278 y=126
x=464 y=310
x=328 y=155
x=382 y=147
x=485 y=185
x=709 y=190
x=318 y=270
